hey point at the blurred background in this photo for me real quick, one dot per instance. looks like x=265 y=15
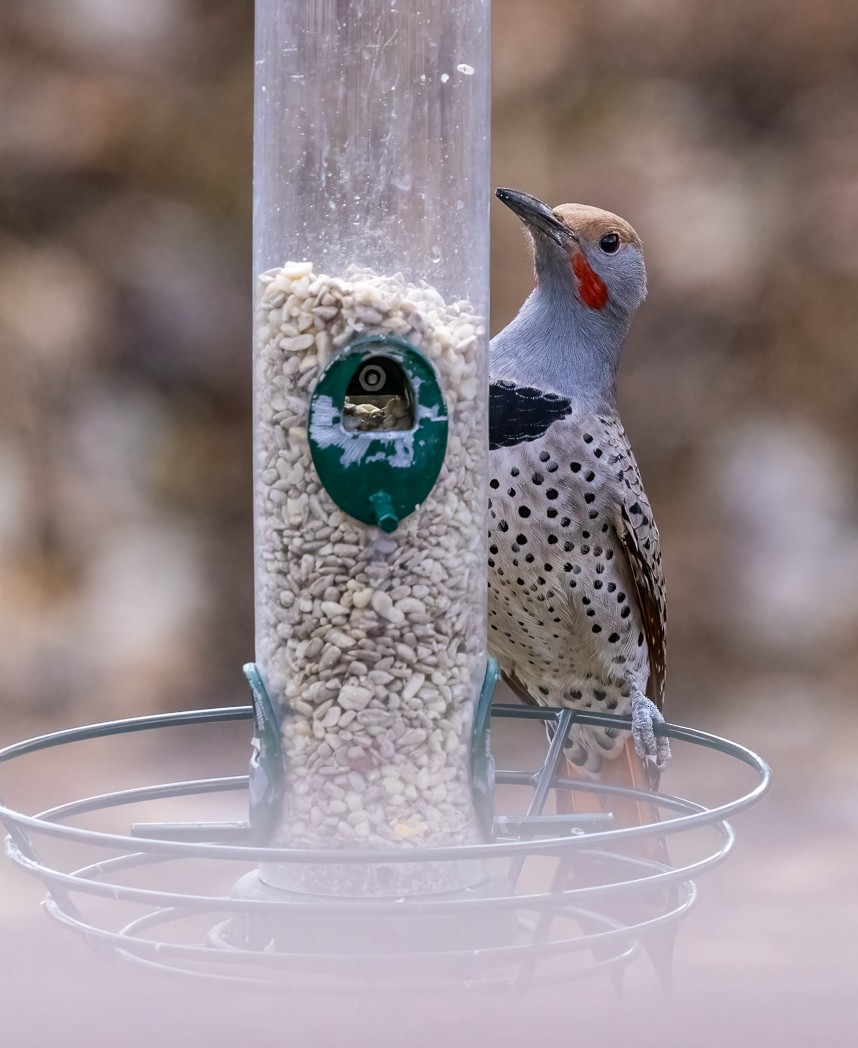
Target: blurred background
x=726 y=133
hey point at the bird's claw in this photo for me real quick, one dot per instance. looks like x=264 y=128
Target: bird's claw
x=653 y=749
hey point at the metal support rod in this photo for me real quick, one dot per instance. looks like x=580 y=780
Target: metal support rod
x=542 y=782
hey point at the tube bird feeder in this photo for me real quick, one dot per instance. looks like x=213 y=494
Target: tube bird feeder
x=371 y=200
x=372 y=829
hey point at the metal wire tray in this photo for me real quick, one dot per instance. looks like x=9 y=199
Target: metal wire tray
x=564 y=895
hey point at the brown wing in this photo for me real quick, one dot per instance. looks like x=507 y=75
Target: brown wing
x=639 y=539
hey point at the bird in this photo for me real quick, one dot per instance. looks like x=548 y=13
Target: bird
x=576 y=597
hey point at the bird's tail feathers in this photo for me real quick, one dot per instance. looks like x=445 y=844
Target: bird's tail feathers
x=626 y=770
x=629 y=771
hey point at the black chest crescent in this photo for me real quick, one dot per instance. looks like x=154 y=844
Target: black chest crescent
x=522 y=413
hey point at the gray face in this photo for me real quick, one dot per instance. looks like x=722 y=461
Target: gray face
x=591 y=253
x=594 y=256
x=590 y=280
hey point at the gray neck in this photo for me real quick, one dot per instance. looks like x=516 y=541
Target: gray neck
x=558 y=344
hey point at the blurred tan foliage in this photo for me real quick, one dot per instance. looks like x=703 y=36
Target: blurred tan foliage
x=727 y=133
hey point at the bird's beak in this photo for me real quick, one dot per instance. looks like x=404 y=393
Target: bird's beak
x=537 y=215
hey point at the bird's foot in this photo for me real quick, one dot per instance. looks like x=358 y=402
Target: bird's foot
x=653 y=749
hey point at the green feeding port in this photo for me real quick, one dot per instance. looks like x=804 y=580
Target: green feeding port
x=378 y=430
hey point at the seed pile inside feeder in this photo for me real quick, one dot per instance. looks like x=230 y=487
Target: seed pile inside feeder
x=371 y=645
x=376 y=413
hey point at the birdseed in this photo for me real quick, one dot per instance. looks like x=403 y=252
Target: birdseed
x=372 y=646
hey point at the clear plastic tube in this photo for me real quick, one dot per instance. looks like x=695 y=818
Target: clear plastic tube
x=371 y=218
x=372 y=139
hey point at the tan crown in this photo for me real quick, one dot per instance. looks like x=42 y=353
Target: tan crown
x=592 y=223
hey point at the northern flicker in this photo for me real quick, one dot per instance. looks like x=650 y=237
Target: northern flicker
x=576 y=592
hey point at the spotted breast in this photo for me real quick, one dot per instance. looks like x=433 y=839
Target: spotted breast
x=576 y=593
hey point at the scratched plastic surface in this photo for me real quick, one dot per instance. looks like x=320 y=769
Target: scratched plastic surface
x=372 y=139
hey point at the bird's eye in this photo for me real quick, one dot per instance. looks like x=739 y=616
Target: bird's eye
x=609 y=243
